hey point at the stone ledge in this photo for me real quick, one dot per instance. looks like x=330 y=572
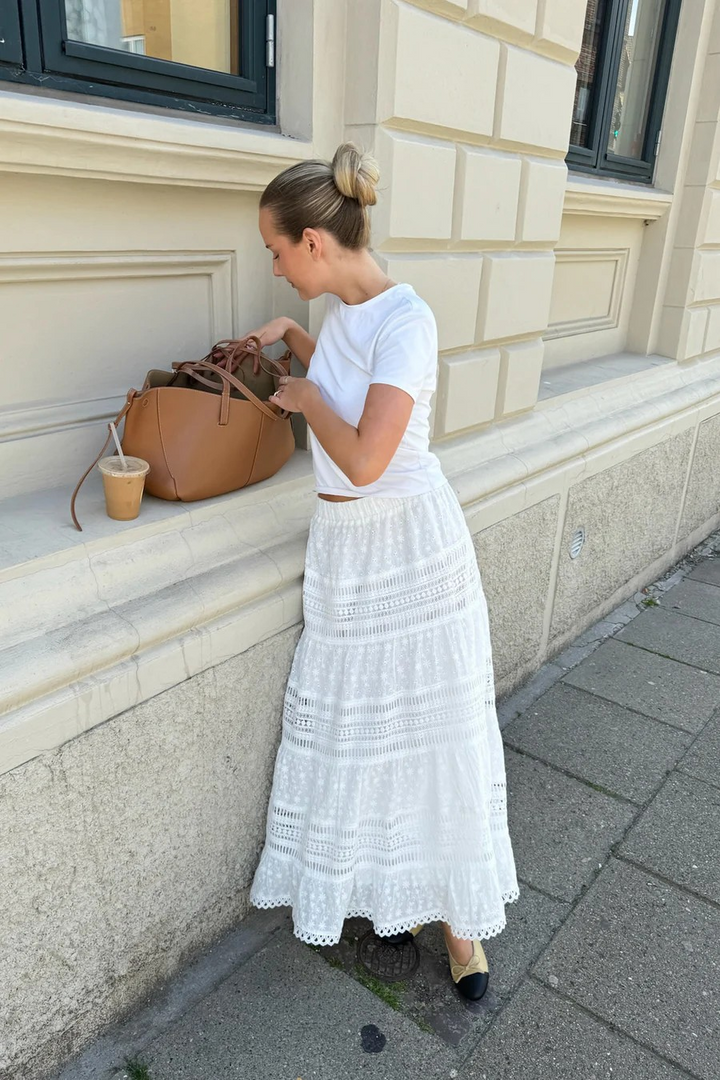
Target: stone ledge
x=69 y=138
x=493 y=468
x=613 y=198
x=94 y=626
x=574 y=379
x=94 y=623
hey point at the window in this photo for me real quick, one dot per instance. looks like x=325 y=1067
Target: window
x=135 y=43
x=216 y=56
x=622 y=76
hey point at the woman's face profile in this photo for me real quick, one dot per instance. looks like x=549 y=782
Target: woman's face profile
x=300 y=264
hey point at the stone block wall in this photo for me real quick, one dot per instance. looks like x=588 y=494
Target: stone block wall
x=468 y=113
x=690 y=321
x=129 y=851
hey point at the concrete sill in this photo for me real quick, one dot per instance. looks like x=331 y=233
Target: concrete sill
x=614 y=198
x=72 y=138
x=573 y=380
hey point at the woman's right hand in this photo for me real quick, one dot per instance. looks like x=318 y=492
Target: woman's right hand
x=268 y=334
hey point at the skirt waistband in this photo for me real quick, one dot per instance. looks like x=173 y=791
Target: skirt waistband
x=368 y=507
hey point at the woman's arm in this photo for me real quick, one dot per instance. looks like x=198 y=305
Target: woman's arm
x=405 y=350
x=297 y=340
x=363 y=452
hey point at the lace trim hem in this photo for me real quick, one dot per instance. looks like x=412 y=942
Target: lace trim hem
x=463 y=932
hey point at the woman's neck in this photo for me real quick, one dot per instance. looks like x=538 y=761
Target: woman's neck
x=360 y=280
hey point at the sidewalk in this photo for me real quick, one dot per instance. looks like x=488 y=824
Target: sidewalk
x=610 y=963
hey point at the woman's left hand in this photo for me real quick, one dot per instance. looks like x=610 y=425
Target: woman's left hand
x=293 y=394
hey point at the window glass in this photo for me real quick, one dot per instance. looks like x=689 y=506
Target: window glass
x=200 y=34
x=587 y=71
x=623 y=72
x=635 y=77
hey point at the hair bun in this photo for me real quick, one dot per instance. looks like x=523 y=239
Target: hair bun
x=355 y=174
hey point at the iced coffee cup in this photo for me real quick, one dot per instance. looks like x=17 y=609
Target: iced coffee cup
x=123 y=486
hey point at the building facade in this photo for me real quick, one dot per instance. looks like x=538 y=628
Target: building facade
x=565 y=227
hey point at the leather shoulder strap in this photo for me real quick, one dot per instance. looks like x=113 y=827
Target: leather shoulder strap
x=83 y=478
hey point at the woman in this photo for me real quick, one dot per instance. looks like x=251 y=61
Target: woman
x=388 y=796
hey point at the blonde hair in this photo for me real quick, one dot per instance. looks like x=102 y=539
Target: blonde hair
x=326 y=195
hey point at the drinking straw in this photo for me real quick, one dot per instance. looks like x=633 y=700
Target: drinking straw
x=123 y=460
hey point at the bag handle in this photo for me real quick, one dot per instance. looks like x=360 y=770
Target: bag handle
x=131 y=395
x=232 y=348
x=229 y=380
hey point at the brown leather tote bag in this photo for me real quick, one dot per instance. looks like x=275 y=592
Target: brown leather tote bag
x=202 y=429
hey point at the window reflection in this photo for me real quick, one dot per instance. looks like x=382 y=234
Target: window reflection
x=637 y=67
x=587 y=72
x=203 y=35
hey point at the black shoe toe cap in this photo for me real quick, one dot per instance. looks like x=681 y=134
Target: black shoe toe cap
x=473 y=986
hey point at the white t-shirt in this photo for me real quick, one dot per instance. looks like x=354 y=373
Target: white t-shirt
x=391 y=338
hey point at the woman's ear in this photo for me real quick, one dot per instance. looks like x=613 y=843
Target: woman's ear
x=313 y=241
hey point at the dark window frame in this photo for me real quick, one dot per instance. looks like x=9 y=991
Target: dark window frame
x=38 y=52
x=11 y=52
x=596 y=158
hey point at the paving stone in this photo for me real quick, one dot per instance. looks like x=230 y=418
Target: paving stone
x=708 y=570
x=429 y=997
x=128 y=1037
x=561 y=829
x=592 y=638
x=645 y=957
x=598 y=741
x=695 y=598
x=676 y=636
x=523 y=698
x=678 y=835
x=651 y=684
x=531 y=922
x=286 y=1013
x=703 y=758
x=539 y=1036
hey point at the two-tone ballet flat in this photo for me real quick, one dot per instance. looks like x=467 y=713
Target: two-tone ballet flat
x=472 y=978
x=406 y=935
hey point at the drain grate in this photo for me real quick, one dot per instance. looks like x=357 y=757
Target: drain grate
x=386 y=960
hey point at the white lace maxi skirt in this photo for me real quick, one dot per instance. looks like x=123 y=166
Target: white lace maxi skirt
x=388 y=796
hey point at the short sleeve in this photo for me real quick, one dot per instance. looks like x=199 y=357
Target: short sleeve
x=406 y=351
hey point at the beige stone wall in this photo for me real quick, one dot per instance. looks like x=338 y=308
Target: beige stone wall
x=79 y=257
x=478 y=193
x=691 y=310
x=645 y=282
x=467 y=107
